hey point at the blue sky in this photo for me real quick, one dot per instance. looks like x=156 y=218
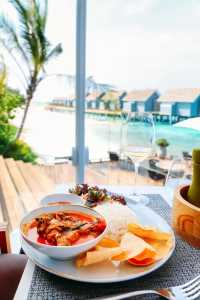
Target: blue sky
x=130 y=43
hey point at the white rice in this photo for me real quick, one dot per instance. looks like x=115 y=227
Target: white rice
x=118 y=216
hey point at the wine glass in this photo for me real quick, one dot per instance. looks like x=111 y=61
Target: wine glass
x=179 y=173
x=138 y=145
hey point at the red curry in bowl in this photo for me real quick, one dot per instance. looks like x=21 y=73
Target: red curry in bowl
x=64 y=228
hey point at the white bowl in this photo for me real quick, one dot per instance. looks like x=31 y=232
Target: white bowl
x=73 y=199
x=61 y=252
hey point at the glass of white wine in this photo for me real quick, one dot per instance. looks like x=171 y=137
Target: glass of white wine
x=138 y=150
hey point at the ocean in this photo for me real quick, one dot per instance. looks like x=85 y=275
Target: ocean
x=52 y=134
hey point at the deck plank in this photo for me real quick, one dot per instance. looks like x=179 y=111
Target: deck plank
x=30 y=181
x=2 y=208
x=46 y=184
x=21 y=186
x=60 y=173
x=14 y=207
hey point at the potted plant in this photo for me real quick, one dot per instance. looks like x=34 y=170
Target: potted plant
x=186 y=206
x=163 y=144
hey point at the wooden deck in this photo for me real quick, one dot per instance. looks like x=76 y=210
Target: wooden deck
x=105 y=112
x=22 y=185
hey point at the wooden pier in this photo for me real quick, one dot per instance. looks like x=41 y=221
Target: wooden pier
x=99 y=112
x=168 y=118
x=158 y=116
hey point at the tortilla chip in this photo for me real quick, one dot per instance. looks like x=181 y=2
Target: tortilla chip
x=133 y=246
x=137 y=250
x=108 y=243
x=80 y=260
x=162 y=247
x=147 y=253
x=121 y=257
x=148 y=232
x=97 y=256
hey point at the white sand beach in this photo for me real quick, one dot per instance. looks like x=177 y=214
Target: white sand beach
x=52 y=134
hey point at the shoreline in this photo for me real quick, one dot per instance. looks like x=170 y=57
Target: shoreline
x=52 y=133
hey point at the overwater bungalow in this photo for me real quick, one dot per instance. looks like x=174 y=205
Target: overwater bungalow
x=140 y=100
x=58 y=101
x=180 y=102
x=112 y=100
x=93 y=100
x=67 y=101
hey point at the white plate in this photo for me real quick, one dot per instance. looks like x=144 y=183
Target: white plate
x=73 y=199
x=104 y=272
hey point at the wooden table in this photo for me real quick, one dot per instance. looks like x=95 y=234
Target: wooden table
x=165 y=192
x=137 y=154
x=167 y=164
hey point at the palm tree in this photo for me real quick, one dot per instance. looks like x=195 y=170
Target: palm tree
x=28 y=45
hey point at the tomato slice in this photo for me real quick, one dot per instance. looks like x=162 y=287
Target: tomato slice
x=146 y=253
x=99 y=227
x=144 y=262
x=42 y=240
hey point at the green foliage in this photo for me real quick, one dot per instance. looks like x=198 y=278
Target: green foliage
x=19 y=150
x=10 y=100
x=162 y=142
x=7 y=135
x=3 y=76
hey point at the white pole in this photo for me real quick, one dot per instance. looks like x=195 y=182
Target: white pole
x=80 y=152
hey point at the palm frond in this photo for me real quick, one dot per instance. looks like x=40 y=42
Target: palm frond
x=40 y=25
x=26 y=24
x=57 y=50
x=30 y=39
x=23 y=13
x=45 y=12
x=18 y=64
x=13 y=40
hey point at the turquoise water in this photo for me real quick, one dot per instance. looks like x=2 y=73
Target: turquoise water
x=52 y=134
x=115 y=135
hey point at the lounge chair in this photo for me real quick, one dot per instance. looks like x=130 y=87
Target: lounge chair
x=113 y=156
x=186 y=155
x=155 y=172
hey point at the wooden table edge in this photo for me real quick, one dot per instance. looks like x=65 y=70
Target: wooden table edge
x=25 y=282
